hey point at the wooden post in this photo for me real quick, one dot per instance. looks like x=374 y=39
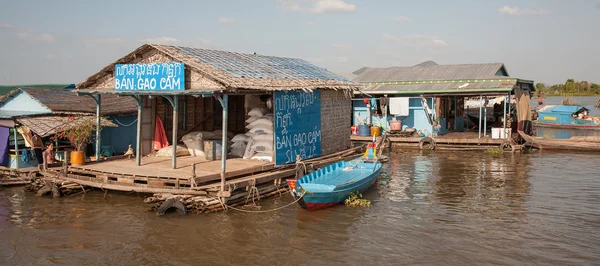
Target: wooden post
x=98 y=142
x=504 y=126
x=138 y=140
x=480 y=105
x=16 y=147
x=175 y=126
x=66 y=163
x=44 y=162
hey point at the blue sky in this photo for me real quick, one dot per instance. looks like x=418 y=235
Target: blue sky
x=65 y=41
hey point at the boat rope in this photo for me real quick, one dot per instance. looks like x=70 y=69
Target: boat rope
x=225 y=206
x=124 y=125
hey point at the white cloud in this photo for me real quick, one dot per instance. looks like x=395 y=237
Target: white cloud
x=390 y=37
x=30 y=36
x=515 y=11
x=160 y=40
x=225 y=20
x=51 y=56
x=401 y=19
x=419 y=40
x=342 y=59
x=316 y=6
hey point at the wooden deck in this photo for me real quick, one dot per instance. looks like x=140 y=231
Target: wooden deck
x=450 y=139
x=160 y=167
x=14 y=177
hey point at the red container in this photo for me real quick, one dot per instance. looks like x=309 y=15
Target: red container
x=354 y=130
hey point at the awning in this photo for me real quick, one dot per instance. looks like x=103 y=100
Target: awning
x=49 y=125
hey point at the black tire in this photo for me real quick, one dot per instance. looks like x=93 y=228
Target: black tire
x=507 y=147
x=44 y=190
x=171 y=203
x=427 y=143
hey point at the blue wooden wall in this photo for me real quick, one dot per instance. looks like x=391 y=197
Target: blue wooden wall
x=416 y=118
x=120 y=137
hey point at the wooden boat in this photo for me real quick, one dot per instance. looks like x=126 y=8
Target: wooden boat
x=566 y=117
x=573 y=144
x=333 y=184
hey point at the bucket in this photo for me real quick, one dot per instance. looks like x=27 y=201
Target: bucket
x=375 y=131
x=77 y=158
x=396 y=125
x=354 y=130
x=363 y=130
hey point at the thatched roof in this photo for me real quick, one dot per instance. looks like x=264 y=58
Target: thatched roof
x=430 y=72
x=230 y=71
x=66 y=101
x=4 y=89
x=49 y=125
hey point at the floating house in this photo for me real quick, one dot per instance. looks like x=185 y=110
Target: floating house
x=46 y=111
x=182 y=91
x=435 y=100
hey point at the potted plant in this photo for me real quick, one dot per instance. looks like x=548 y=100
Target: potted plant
x=79 y=132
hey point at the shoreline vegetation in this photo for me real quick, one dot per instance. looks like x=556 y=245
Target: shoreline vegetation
x=569 y=89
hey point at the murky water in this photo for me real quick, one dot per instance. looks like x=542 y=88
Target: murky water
x=428 y=208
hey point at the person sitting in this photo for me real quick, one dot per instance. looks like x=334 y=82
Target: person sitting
x=50 y=154
x=540 y=100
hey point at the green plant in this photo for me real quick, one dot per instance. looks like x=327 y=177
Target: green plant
x=493 y=151
x=79 y=131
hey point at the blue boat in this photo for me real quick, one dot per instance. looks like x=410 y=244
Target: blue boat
x=333 y=184
x=566 y=117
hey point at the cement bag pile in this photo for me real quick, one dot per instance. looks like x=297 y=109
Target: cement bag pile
x=260 y=135
x=168 y=151
x=238 y=146
x=194 y=141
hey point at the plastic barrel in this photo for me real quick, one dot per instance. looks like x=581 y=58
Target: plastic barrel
x=363 y=130
x=375 y=131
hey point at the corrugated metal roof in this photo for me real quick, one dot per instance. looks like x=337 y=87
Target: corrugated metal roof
x=232 y=71
x=260 y=66
x=66 y=101
x=439 y=72
x=457 y=87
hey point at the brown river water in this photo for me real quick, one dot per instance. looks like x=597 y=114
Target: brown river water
x=441 y=208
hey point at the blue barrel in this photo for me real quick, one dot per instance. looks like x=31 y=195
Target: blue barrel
x=364 y=130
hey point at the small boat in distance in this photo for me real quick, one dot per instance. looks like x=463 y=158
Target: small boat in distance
x=331 y=185
x=576 y=143
x=566 y=117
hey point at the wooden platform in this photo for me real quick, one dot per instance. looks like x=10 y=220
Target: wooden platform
x=14 y=177
x=450 y=139
x=160 y=167
x=155 y=175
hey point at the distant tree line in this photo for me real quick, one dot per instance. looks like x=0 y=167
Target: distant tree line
x=569 y=88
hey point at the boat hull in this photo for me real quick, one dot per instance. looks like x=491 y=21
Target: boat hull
x=560 y=144
x=314 y=199
x=568 y=126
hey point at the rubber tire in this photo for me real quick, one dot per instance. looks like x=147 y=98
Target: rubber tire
x=44 y=190
x=507 y=146
x=429 y=140
x=171 y=203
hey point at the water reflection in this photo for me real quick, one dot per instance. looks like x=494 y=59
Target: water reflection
x=428 y=208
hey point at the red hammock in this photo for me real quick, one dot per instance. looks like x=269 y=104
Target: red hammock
x=160 y=137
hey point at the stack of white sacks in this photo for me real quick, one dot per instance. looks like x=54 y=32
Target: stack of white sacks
x=257 y=143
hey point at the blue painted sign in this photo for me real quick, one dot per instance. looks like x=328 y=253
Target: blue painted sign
x=297 y=122
x=150 y=77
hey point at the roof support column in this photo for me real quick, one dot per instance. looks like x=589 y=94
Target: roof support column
x=17 y=147
x=138 y=135
x=224 y=100
x=175 y=104
x=504 y=126
x=485 y=119
x=480 y=105
x=98 y=100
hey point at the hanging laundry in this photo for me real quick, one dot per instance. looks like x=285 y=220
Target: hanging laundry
x=4 y=145
x=399 y=106
x=24 y=155
x=160 y=136
x=27 y=135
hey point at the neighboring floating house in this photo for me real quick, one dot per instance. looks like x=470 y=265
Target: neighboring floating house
x=431 y=98
x=45 y=111
x=197 y=90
